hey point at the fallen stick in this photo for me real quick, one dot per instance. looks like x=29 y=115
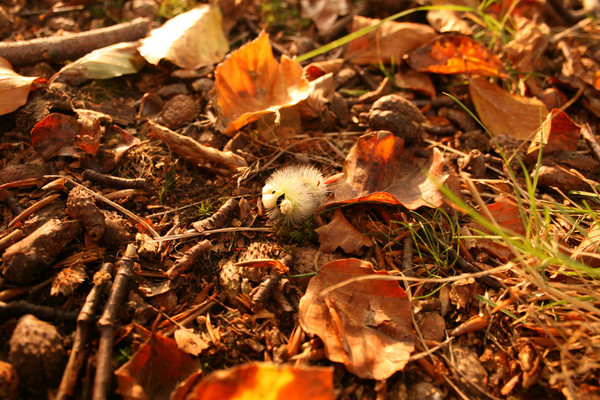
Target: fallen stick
x=85 y=322
x=106 y=324
x=59 y=48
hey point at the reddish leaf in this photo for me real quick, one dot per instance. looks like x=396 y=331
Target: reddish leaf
x=54 y=135
x=557 y=133
x=503 y=113
x=154 y=370
x=389 y=41
x=507 y=214
x=453 y=54
x=378 y=169
x=266 y=381
x=365 y=325
x=251 y=83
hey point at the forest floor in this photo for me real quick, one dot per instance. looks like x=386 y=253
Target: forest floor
x=453 y=255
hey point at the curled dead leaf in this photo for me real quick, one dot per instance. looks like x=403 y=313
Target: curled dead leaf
x=379 y=169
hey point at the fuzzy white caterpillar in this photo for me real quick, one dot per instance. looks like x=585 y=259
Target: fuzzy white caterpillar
x=293 y=193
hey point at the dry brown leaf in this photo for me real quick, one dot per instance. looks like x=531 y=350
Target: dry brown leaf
x=323 y=12
x=365 y=325
x=557 y=133
x=250 y=83
x=341 y=233
x=530 y=42
x=190 y=40
x=504 y=113
x=14 y=88
x=416 y=81
x=195 y=152
x=189 y=341
x=448 y=21
x=266 y=381
x=390 y=41
x=379 y=169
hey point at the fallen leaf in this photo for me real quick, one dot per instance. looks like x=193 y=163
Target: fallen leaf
x=415 y=81
x=108 y=62
x=507 y=214
x=443 y=20
x=365 y=325
x=456 y=54
x=116 y=142
x=530 y=42
x=189 y=342
x=65 y=135
x=190 y=40
x=379 y=169
x=389 y=41
x=250 y=83
x=154 y=370
x=341 y=233
x=557 y=133
x=14 y=88
x=266 y=381
x=323 y=12
x=504 y=113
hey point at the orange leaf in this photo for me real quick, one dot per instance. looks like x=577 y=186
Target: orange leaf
x=558 y=133
x=365 y=325
x=154 y=370
x=504 y=113
x=251 y=83
x=454 y=54
x=378 y=169
x=266 y=381
x=390 y=41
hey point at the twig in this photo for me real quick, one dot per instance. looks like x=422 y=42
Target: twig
x=219 y=218
x=58 y=48
x=115 y=181
x=85 y=322
x=188 y=259
x=35 y=207
x=591 y=141
x=20 y=308
x=106 y=324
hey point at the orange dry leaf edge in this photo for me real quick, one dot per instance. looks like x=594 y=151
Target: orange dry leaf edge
x=251 y=83
x=454 y=54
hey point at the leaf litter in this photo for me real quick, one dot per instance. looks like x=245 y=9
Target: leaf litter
x=457 y=247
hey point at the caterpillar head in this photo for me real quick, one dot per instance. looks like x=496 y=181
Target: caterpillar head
x=293 y=193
